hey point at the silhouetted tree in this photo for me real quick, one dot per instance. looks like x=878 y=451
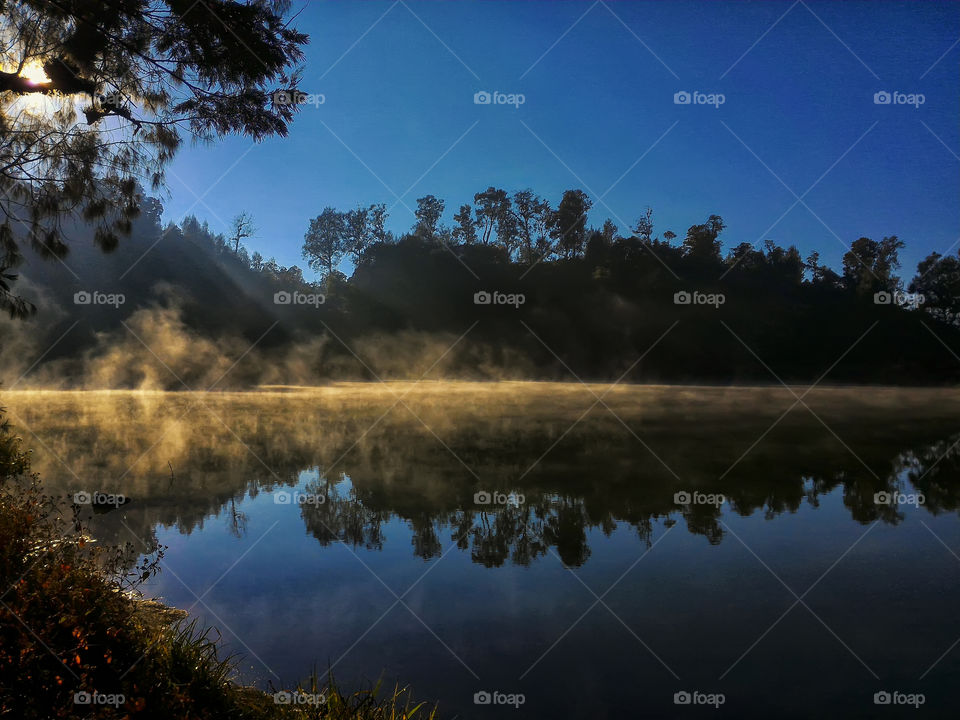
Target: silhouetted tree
x=570 y=226
x=242 y=226
x=938 y=280
x=429 y=211
x=357 y=232
x=609 y=231
x=702 y=241
x=745 y=258
x=534 y=218
x=868 y=265
x=118 y=84
x=821 y=274
x=324 y=243
x=785 y=265
x=508 y=233
x=465 y=230
x=377 y=218
x=492 y=206
x=644 y=226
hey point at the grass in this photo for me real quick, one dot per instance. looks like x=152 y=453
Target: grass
x=73 y=628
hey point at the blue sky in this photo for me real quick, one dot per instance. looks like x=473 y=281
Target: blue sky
x=599 y=79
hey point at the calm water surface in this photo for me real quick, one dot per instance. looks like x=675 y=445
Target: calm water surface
x=656 y=541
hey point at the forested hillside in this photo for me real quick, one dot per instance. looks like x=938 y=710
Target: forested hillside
x=517 y=289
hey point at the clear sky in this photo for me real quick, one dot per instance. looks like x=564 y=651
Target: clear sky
x=799 y=119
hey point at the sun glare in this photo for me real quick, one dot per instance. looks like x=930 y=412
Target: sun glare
x=34 y=73
x=35 y=103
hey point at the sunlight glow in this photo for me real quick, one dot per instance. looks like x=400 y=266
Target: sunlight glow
x=33 y=71
x=35 y=103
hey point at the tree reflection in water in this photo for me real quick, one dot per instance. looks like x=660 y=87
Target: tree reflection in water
x=381 y=464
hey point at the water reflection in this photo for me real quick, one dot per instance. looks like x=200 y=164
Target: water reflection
x=185 y=458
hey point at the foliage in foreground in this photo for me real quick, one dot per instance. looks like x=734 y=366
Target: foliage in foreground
x=73 y=629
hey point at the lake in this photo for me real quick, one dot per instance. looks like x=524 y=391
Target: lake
x=542 y=550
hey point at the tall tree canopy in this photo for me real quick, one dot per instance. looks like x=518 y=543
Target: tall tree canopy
x=534 y=218
x=570 y=226
x=869 y=266
x=429 y=211
x=465 y=230
x=493 y=212
x=702 y=241
x=938 y=280
x=325 y=241
x=95 y=96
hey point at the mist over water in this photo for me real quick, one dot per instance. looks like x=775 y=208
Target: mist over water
x=438 y=443
x=502 y=490
x=157 y=350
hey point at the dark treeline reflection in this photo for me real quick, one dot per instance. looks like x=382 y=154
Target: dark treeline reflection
x=183 y=458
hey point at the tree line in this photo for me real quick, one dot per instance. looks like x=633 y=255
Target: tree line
x=525 y=229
